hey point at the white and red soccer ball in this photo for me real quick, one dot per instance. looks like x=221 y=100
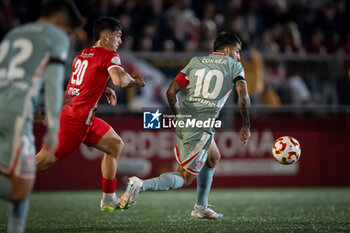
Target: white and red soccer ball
x=286 y=150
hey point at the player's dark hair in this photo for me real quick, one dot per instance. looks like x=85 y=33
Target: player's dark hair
x=53 y=6
x=224 y=39
x=105 y=23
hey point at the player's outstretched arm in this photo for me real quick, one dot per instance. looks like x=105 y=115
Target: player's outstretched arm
x=120 y=78
x=244 y=107
x=137 y=80
x=53 y=101
x=173 y=89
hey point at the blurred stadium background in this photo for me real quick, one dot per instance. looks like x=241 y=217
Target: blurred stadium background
x=296 y=54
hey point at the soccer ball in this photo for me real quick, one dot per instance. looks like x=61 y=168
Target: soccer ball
x=286 y=150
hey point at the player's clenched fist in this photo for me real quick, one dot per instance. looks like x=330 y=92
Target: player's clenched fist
x=139 y=79
x=245 y=134
x=111 y=96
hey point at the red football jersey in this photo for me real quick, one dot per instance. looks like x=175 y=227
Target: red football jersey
x=88 y=81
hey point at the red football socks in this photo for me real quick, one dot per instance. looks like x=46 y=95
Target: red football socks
x=109 y=186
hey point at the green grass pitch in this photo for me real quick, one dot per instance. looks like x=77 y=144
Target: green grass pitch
x=245 y=210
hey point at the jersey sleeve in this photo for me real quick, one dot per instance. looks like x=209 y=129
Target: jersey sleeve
x=182 y=80
x=59 y=46
x=113 y=60
x=238 y=72
x=187 y=68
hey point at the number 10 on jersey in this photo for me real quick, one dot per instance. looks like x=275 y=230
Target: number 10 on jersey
x=202 y=87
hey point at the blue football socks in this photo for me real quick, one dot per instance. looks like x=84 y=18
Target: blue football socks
x=166 y=181
x=17 y=212
x=17 y=216
x=204 y=180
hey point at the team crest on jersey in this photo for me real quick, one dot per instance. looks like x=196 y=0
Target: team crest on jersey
x=199 y=165
x=116 y=60
x=64 y=55
x=30 y=161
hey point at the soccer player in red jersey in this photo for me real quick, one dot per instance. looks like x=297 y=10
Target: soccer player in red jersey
x=92 y=68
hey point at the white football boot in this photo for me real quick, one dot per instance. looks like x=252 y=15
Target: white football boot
x=202 y=212
x=133 y=189
x=110 y=205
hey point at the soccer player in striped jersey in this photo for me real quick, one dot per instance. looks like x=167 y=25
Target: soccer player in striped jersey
x=208 y=81
x=25 y=53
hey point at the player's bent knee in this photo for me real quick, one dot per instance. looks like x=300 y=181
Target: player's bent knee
x=117 y=146
x=213 y=161
x=21 y=189
x=19 y=196
x=188 y=179
x=187 y=182
x=119 y=141
x=111 y=145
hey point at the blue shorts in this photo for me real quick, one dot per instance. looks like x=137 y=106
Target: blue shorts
x=192 y=150
x=17 y=150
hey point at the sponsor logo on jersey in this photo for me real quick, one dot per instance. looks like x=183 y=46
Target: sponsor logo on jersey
x=86 y=55
x=199 y=165
x=116 y=60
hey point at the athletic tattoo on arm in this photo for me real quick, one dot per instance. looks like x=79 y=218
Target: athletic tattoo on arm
x=243 y=101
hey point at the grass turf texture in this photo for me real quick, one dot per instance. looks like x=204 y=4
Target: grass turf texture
x=245 y=210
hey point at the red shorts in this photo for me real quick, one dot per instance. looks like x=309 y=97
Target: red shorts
x=73 y=132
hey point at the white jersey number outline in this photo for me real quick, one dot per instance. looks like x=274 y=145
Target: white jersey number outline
x=25 y=50
x=79 y=71
x=204 y=86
